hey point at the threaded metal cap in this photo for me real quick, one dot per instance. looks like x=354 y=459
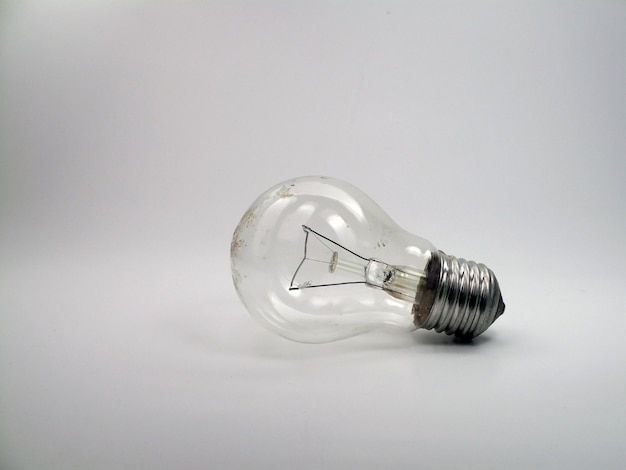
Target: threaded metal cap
x=461 y=298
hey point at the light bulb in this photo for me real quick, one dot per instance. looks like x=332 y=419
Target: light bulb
x=316 y=260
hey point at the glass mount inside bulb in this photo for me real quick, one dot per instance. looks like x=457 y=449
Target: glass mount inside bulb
x=327 y=263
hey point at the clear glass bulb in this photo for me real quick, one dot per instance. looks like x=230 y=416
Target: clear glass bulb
x=316 y=260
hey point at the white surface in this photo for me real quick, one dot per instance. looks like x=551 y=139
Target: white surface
x=134 y=137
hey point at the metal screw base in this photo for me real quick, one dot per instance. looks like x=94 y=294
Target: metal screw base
x=461 y=297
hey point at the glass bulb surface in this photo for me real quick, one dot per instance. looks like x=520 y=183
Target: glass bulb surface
x=314 y=259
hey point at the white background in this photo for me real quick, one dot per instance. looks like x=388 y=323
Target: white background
x=133 y=138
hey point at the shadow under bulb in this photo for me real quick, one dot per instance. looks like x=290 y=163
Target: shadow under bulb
x=315 y=260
